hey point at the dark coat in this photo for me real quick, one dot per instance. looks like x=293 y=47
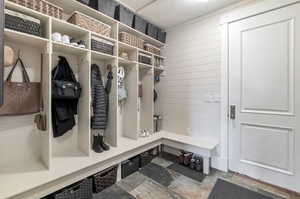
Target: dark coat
x=63 y=111
x=99 y=100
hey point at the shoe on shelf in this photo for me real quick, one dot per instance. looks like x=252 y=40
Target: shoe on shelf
x=104 y=146
x=96 y=144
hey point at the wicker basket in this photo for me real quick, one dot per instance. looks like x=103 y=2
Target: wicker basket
x=81 y=190
x=140 y=43
x=23 y=23
x=89 y=23
x=145 y=59
x=131 y=40
x=41 y=6
x=102 y=45
x=105 y=179
x=152 y=49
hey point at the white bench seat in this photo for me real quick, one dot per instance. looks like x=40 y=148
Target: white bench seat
x=202 y=147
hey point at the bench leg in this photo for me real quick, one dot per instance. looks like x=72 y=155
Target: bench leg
x=206 y=165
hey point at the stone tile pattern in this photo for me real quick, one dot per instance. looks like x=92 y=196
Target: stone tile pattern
x=158 y=181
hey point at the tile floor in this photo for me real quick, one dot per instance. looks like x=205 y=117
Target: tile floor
x=159 y=181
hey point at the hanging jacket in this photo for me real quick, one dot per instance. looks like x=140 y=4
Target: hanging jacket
x=99 y=100
x=63 y=111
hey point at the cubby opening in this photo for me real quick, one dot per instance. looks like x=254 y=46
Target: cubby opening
x=128 y=118
x=146 y=103
x=127 y=54
x=44 y=20
x=157 y=117
x=28 y=147
x=75 y=33
x=76 y=142
x=105 y=65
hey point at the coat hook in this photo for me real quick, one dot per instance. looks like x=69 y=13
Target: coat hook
x=19 y=53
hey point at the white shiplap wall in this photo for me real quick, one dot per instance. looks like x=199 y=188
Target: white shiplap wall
x=191 y=88
x=190 y=91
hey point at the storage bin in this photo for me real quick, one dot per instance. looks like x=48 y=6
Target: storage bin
x=81 y=190
x=102 y=45
x=107 y=7
x=152 y=30
x=124 y=15
x=87 y=2
x=145 y=59
x=23 y=23
x=146 y=158
x=105 y=179
x=152 y=49
x=139 y=24
x=42 y=6
x=90 y=23
x=161 y=35
x=130 y=166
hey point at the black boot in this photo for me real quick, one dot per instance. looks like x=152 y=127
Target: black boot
x=96 y=144
x=104 y=146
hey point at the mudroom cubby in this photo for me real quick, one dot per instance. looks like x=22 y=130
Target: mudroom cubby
x=146 y=102
x=76 y=142
x=107 y=63
x=28 y=148
x=128 y=120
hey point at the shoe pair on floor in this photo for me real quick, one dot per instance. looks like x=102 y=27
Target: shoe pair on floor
x=99 y=145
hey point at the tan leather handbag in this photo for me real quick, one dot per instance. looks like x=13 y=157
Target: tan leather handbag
x=20 y=98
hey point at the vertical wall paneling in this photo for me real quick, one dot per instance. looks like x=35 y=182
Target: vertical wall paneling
x=190 y=91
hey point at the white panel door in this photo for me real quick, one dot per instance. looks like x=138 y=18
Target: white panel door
x=264 y=94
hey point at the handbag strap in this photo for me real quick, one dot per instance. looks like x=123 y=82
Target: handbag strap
x=41 y=85
x=64 y=69
x=24 y=72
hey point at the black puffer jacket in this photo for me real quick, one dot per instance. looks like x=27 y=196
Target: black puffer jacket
x=99 y=100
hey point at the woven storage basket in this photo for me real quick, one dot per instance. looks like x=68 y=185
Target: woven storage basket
x=145 y=59
x=131 y=40
x=127 y=38
x=140 y=43
x=23 y=23
x=91 y=24
x=41 y=6
x=105 y=179
x=81 y=190
x=152 y=49
x=102 y=45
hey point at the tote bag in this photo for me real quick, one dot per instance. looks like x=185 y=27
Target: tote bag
x=20 y=98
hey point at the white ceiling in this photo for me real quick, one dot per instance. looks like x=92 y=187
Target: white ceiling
x=168 y=13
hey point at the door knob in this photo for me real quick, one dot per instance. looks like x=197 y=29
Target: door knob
x=233 y=112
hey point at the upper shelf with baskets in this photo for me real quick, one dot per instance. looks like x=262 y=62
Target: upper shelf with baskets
x=71 y=6
x=146 y=38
